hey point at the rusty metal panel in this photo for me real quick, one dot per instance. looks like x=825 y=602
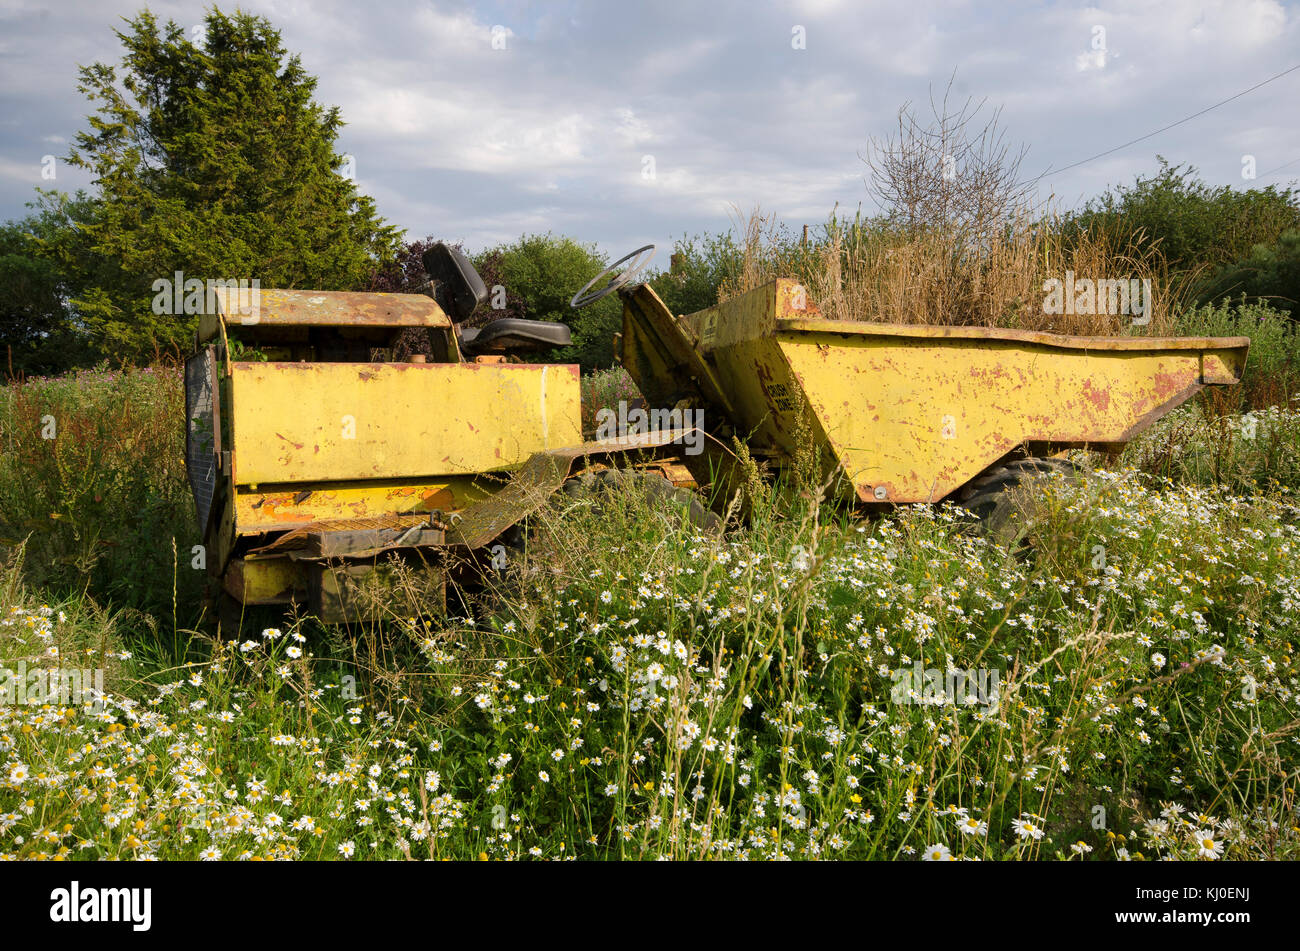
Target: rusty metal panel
x=265 y=581
x=298 y=542
x=849 y=328
x=912 y=419
x=749 y=316
x=369 y=542
x=323 y=422
x=909 y=413
x=335 y=589
x=276 y=508
x=539 y=477
x=664 y=357
x=307 y=308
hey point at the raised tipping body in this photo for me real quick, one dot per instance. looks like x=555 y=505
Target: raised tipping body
x=907 y=413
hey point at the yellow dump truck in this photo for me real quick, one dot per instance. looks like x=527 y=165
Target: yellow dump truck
x=314 y=459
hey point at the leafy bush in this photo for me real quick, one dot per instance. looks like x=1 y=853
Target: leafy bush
x=1193 y=225
x=1269 y=272
x=1272 y=373
x=544 y=272
x=44 y=261
x=697 y=267
x=605 y=389
x=92 y=477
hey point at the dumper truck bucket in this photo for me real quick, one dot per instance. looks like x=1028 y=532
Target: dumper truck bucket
x=907 y=413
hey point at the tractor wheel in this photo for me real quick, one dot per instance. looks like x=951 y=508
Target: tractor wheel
x=229 y=615
x=1000 y=500
x=227 y=618
x=605 y=484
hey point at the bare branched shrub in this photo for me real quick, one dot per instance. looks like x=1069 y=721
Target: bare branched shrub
x=958 y=242
x=949 y=175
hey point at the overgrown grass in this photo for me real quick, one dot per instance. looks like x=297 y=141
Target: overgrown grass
x=1247 y=437
x=1272 y=374
x=868 y=270
x=92 y=479
x=605 y=389
x=655 y=693
x=645 y=691
x=1255 y=451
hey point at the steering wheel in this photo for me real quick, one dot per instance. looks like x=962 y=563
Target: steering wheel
x=587 y=296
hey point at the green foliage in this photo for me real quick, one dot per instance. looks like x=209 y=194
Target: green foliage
x=544 y=272
x=1272 y=373
x=213 y=160
x=698 y=266
x=46 y=259
x=1250 y=452
x=722 y=698
x=92 y=484
x=1193 y=224
x=1269 y=272
x=571 y=723
x=605 y=389
x=31 y=312
x=547 y=271
x=503 y=300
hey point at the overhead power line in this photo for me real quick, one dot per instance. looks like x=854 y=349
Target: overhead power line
x=1273 y=171
x=1171 y=125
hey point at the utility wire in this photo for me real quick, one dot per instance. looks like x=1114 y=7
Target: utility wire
x=1170 y=126
x=1272 y=171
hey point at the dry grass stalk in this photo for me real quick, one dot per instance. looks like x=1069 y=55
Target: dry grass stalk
x=871 y=272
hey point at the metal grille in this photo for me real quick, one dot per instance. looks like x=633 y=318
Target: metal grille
x=200 y=455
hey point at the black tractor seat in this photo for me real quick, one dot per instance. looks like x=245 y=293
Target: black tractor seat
x=459 y=289
x=511 y=333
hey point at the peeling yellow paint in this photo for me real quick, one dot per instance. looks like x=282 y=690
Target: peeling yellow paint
x=327 y=422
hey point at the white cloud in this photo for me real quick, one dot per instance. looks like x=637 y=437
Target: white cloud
x=455 y=138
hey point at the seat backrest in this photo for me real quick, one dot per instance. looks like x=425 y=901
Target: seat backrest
x=458 y=289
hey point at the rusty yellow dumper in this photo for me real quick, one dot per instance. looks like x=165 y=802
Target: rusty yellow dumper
x=315 y=459
x=906 y=413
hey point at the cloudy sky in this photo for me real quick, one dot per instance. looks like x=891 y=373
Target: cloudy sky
x=480 y=122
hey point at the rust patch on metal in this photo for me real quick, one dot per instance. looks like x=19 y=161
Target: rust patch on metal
x=1055 y=341
x=537 y=479
x=1099 y=398
x=334 y=309
x=443 y=498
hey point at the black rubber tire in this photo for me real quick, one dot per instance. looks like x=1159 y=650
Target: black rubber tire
x=230 y=613
x=995 y=500
x=1044 y=465
x=1012 y=472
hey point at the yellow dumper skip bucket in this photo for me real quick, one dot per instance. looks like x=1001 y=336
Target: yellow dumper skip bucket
x=909 y=413
x=304 y=451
